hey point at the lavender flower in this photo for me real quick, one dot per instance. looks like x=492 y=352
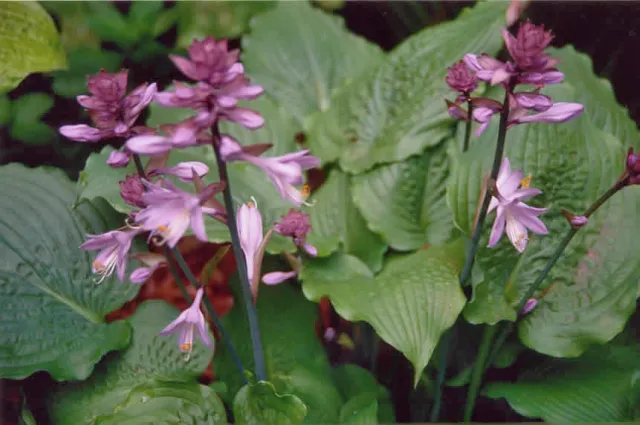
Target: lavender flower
x=529 y=306
x=295 y=224
x=461 y=79
x=275 y=278
x=118 y=159
x=152 y=262
x=113 y=114
x=187 y=322
x=556 y=113
x=182 y=135
x=284 y=171
x=579 y=221
x=184 y=170
x=513 y=214
x=114 y=247
x=527 y=48
x=252 y=241
x=170 y=211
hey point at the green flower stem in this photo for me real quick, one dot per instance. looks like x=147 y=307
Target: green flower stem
x=497 y=160
x=478 y=371
x=506 y=330
x=467 y=127
x=177 y=256
x=139 y=166
x=252 y=315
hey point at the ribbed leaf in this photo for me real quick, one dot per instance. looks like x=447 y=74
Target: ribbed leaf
x=136 y=373
x=410 y=303
x=309 y=55
x=335 y=220
x=260 y=404
x=29 y=42
x=597 y=387
x=52 y=315
x=405 y=201
x=591 y=292
x=396 y=110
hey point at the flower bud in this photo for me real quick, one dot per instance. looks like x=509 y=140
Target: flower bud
x=460 y=78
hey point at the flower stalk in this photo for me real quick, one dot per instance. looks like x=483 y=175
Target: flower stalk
x=252 y=315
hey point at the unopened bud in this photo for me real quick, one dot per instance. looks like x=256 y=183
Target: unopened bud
x=529 y=305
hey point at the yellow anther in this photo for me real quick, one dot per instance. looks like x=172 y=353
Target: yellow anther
x=524 y=183
x=306 y=190
x=251 y=204
x=98 y=266
x=521 y=236
x=162 y=228
x=186 y=346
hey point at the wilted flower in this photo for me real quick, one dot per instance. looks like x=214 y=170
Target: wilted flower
x=187 y=322
x=512 y=213
x=170 y=211
x=284 y=171
x=131 y=190
x=114 y=247
x=152 y=262
x=113 y=114
x=461 y=79
x=295 y=224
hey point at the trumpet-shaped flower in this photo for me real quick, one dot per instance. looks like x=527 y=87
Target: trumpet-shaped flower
x=252 y=241
x=184 y=170
x=187 y=323
x=285 y=171
x=170 y=211
x=513 y=215
x=114 y=247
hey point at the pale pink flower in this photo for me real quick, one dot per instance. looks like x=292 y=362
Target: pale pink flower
x=187 y=323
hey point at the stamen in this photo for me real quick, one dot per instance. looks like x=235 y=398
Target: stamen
x=524 y=183
x=98 y=267
x=251 y=204
x=162 y=228
x=186 y=347
x=306 y=190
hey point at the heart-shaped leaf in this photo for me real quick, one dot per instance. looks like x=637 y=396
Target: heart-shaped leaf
x=141 y=371
x=597 y=387
x=335 y=219
x=410 y=303
x=396 y=110
x=29 y=42
x=405 y=201
x=260 y=404
x=309 y=56
x=53 y=315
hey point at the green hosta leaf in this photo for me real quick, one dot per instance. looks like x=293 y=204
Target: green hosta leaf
x=359 y=387
x=220 y=19
x=410 y=303
x=315 y=55
x=361 y=409
x=147 y=361
x=170 y=403
x=27 y=112
x=335 y=219
x=596 y=94
x=109 y=24
x=43 y=275
x=405 y=201
x=29 y=43
x=593 y=288
x=295 y=359
x=396 y=110
x=597 y=387
x=260 y=404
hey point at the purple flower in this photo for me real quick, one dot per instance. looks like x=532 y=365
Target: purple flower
x=274 y=278
x=187 y=322
x=284 y=171
x=152 y=262
x=556 y=113
x=295 y=224
x=118 y=159
x=579 y=221
x=184 y=170
x=529 y=305
x=114 y=247
x=170 y=211
x=527 y=48
x=513 y=214
x=633 y=167
x=252 y=241
x=461 y=79
x=210 y=61
x=489 y=69
x=113 y=114
x=184 y=134
x=131 y=190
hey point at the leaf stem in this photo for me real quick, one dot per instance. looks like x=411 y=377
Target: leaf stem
x=467 y=127
x=443 y=354
x=252 y=315
x=497 y=160
x=478 y=371
x=506 y=330
x=139 y=166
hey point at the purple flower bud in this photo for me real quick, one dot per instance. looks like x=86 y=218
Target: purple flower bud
x=456 y=111
x=536 y=101
x=558 y=112
x=108 y=87
x=296 y=225
x=579 y=221
x=529 y=305
x=81 y=133
x=460 y=78
x=131 y=190
x=152 y=262
x=489 y=69
x=210 y=61
x=118 y=159
x=527 y=48
x=274 y=278
x=184 y=170
x=633 y=167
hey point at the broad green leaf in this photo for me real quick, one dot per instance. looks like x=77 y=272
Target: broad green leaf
x=335 y=220
x=260 y=404
x=596 y=94
x=405 y=201
x=109 y=24
x=596 y=387
x=44 y=275
x=27 y=113
x=29 y=43
x=170 y=403
x=361 y=390
x=295 y=359
x=410 y=303
x=72 y=19
x=220 y=19
x=135 y=373
x=396 y=110
x=315 y=55
x=361 y=409
x=592 y=290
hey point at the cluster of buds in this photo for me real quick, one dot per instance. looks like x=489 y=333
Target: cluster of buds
x=529 y=66
x=163 y=210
